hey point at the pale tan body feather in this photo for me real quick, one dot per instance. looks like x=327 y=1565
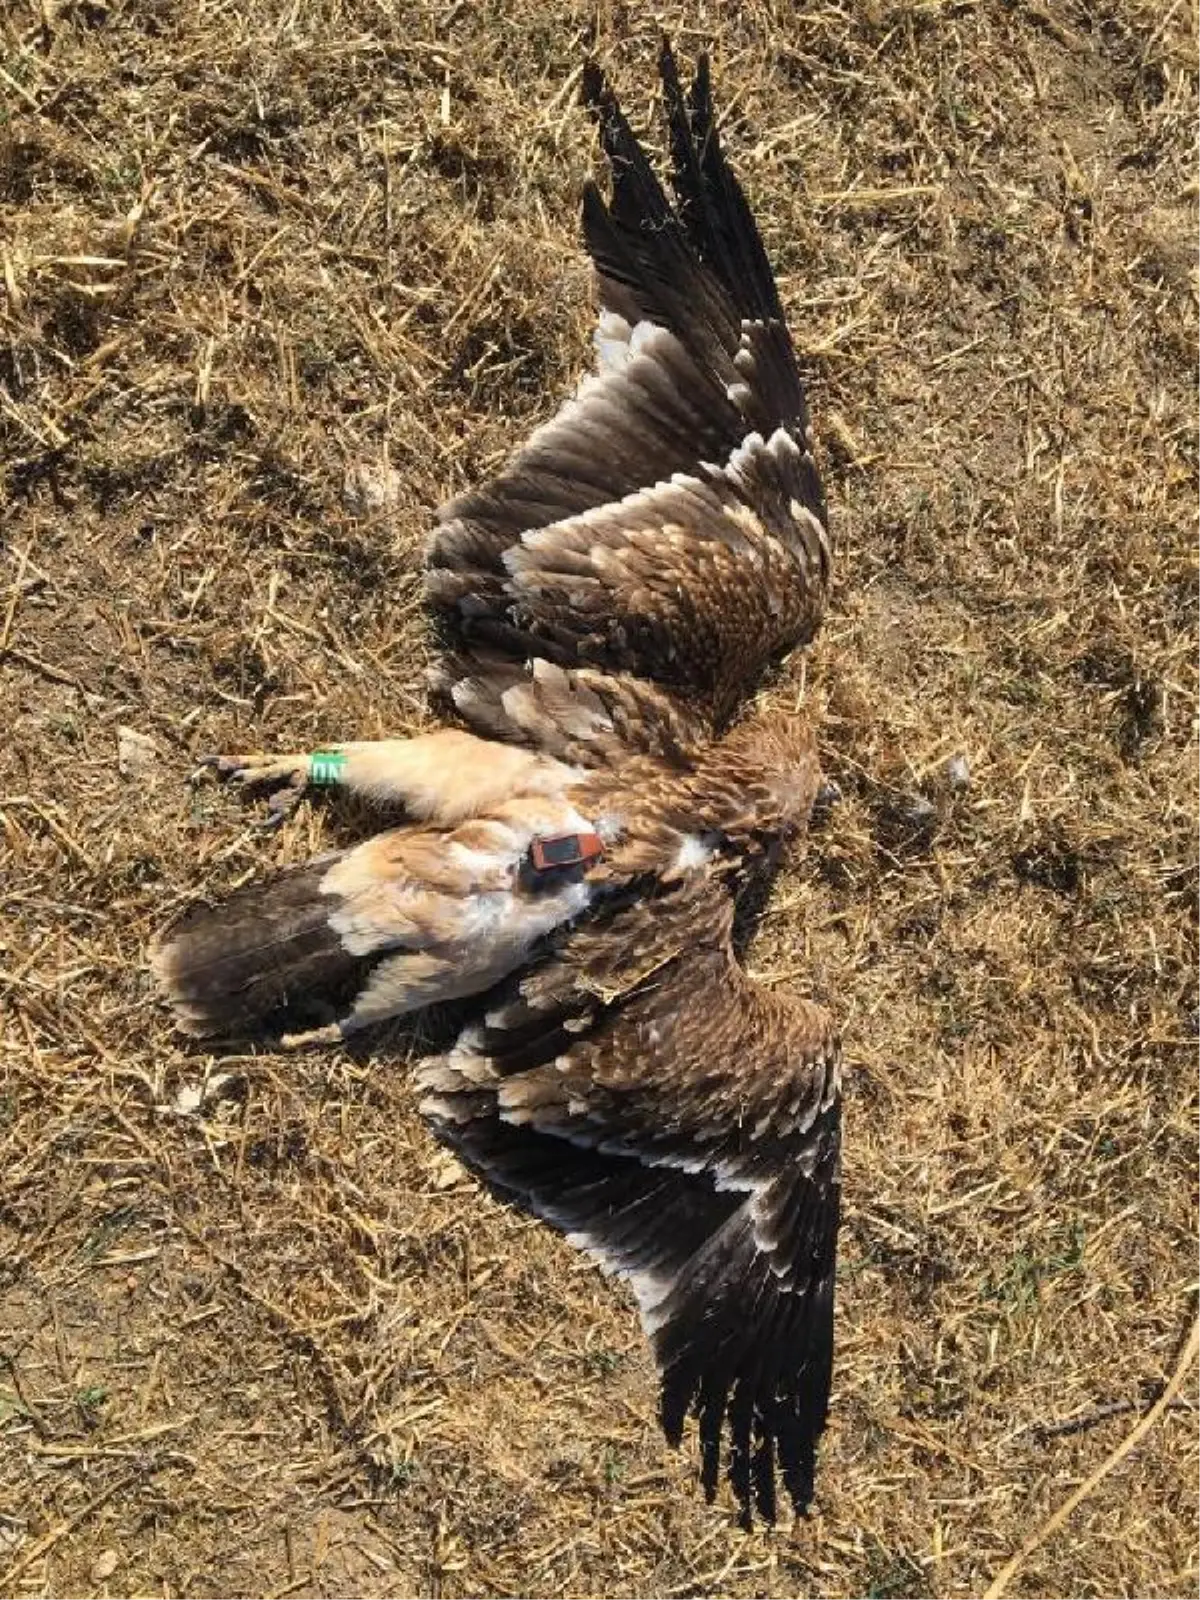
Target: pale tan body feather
x=453 y=904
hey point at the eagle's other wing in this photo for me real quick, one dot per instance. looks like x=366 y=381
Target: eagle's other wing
x=640 y=1094
x=669 y=522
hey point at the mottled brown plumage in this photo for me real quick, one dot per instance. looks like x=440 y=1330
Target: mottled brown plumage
x=608 y=605
x=680 y=1123
x=669 y=523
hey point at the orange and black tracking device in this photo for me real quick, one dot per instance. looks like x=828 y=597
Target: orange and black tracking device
x=565 y=850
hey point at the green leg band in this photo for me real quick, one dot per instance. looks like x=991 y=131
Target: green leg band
x=325 y=768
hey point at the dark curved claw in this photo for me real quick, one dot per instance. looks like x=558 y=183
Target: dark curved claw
x=223 y=766
x=287 y=781
x=282 y=802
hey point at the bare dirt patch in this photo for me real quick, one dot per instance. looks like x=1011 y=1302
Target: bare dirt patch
x=257 y=1333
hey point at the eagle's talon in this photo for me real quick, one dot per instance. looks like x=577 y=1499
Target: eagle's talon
x=204 y=766
x=277 y=813
x=283 y=802
x=225 y=768
x=286 y=776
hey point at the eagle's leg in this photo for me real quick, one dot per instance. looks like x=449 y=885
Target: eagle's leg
x=404 y=982
x=331 y=1034
x=445 y=776
x=377 y=769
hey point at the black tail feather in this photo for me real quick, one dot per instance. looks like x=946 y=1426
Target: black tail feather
x=268 y=948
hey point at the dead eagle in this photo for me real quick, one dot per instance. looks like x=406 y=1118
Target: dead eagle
x=610 y=601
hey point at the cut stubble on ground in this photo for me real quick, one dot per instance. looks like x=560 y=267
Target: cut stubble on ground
x=274 y=285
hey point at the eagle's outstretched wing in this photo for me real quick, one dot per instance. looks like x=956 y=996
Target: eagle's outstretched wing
x=639 y=1093
x=669 y=522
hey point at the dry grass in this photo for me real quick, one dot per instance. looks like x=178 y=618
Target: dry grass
x=279 y=1344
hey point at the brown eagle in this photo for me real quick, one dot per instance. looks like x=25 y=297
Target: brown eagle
x=572 y=851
